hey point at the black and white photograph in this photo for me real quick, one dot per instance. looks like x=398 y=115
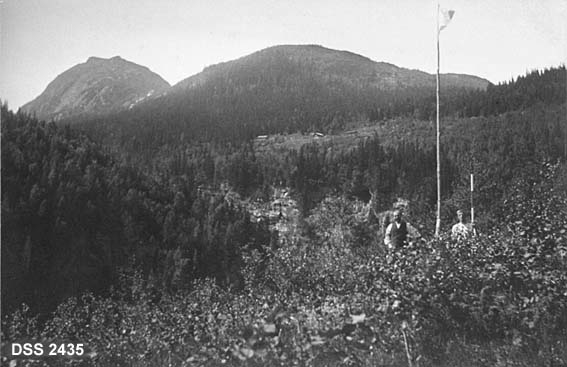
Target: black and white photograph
x=283 y=183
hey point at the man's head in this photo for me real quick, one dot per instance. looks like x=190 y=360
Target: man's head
x=398 y=215
x=460 y=215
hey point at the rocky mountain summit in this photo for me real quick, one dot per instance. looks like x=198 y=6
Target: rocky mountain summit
x=96 y=87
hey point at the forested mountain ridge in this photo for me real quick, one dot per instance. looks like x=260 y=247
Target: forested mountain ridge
x=332 y=65
x=97 y=86
x=102 y=86
x=282 y=89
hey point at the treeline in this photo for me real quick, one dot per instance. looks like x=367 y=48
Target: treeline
x=72 y=215
x=497 y=150
x=547 y=87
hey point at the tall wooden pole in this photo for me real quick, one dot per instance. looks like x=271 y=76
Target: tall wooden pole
x=472 y=196
x=438 y=221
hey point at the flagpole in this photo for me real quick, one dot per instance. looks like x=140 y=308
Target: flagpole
x=438 y=221
x=472 y=203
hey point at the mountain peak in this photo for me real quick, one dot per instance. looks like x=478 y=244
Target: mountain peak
x=95 y=59
x=97 y=86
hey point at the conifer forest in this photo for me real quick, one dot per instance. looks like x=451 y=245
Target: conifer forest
x=216 y=227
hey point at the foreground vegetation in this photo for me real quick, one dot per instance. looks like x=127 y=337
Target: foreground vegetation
x=176 y=254
x=333 y=296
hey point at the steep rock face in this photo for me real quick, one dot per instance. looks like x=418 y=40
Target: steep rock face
x=95 y=87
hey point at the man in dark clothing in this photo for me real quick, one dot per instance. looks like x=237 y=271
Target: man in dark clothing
x=398 y=231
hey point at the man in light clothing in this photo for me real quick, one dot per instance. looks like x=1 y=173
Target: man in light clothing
x=460 y=230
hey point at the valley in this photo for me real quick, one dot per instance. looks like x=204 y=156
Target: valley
x=234 y=218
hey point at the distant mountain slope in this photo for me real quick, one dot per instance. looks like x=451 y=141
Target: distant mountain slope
x=97 y=86
x=283 y=89
x=333 y=66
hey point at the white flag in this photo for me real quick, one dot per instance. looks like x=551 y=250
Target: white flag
x=445 y=17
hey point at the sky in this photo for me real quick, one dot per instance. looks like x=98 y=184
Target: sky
x=494 y=39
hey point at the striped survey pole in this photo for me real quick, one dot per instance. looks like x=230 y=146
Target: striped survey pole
x=472 y=205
